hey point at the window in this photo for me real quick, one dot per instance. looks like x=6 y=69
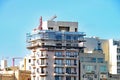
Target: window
x=93 y=59
x=58 y=62
x=75 y=29
x=118 y=50
x=68 y=70
x=50 y=28
x=29 y=60
x=58 y=36
x=68 y=37
x=64 y=28
x=58 y=70
x=118 y=70
x=37 y=70
x=100 y=60
x=68 y=78
x=58 y=54
x=68 y=62
x=42 y=61
x=89 y=68
x=58 y=78
x=103 y=68
x=68 y=54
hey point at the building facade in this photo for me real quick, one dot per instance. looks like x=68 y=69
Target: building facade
x=93 y=66
x=54 y=51
x=111 y=49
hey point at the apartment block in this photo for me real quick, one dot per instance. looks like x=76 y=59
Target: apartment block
x=54 y=51
x=111 y=49
x=93 y=66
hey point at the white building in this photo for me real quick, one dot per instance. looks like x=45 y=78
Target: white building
x=54 y=52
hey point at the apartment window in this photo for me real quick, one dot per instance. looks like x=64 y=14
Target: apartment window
x=58 y=61
x=68 y=37
x=29 y=67
x=64 y=28
x=75 y=29
x=68 y=70
x=89 y=68
x=68 y=62
x=93 y=60
x=100 y=60
x=58 y=54
x=118 y=50
x=103 y=68
x=43 y=70
x=42 y=61
x=58 y=36
x=118 y=64
x=58 y=78
x=118 y=70
x=50 y=28
x=29 y=60
x=38 y=62
x=58 y=70
x=68 y=78
x=68 y=54
x=37 y=70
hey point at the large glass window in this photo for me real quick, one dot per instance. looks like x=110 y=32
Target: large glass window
x=103 y=68
x=89 y=68
x=100 y=60
x=68 y=54
x=68 y=37
x=58 y=78
x=68 y=70
x=58 y=62
x=68 y=62
x=58 y=70
x=68 y=78
x=58 y=54
x=59 y=37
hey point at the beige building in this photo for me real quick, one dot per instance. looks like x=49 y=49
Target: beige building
x=111 y=48
x=15 y=75
x=93 y=66
x=54 y=51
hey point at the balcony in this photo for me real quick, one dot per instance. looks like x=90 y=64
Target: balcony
x=43 y=56
x=33 y=57
x=58 y=65
x=71 y=57
x=33 y=74
x=33 y=65
x=71 y=65
x=59 y=56
x=43 y=65
x=71 y=74
x=59 y=74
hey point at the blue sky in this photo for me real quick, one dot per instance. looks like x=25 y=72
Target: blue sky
x=17 y=17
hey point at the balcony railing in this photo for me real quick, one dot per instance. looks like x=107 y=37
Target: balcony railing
x=43 y=65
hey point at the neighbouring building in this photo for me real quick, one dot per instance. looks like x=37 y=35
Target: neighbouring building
x=93 y=66
x=9 y=74
x=111 y=49
x=54 y=51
